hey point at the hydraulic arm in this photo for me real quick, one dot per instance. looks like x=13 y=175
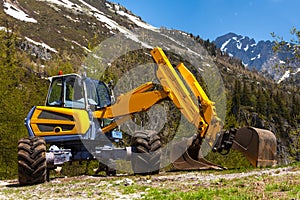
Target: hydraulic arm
x=141 y=99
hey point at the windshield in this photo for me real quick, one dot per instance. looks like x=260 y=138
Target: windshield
x=66 y=92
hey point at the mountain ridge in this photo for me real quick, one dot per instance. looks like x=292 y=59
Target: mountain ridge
x=255 y=55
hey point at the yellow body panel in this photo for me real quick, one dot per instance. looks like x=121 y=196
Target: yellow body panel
x=177 y=91
x=207 y=105
x=76 y=120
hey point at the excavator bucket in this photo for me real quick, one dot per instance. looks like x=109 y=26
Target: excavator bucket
x=258 y=145
x=189 y=157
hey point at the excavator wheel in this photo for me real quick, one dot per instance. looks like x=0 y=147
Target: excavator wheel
x=32 y=164
x=146 y=152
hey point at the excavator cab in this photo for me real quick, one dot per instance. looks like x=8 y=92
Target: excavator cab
x=74 y=91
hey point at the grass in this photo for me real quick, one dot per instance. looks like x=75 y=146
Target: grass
x=236 y=189
x=210 y=193
x=253 y=187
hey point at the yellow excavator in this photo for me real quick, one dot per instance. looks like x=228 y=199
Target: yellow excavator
x=79 y=121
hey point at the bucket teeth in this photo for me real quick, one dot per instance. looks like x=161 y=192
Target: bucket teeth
x=186 y=157
x=186 y=162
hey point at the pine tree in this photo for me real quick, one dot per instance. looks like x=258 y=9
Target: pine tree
x=19 y=91
x=236 y=98
x=261 y=102
x=245 y=96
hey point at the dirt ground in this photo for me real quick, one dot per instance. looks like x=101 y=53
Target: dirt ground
x=136 y=187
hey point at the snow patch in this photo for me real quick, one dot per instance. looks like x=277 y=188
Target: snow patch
x=245 y=64
x=281 y=62
x=137 y=21
x=41 y=44
x=91 y=7
x=108 y=5
x=200 y=69
x=296 y=72
x=285 y=76
x=100 y=16
x=224 y=45
x=184 y=33
x=83 y=47
x=182 y=45
x=239 y=45
x=71 y=19
x=258 y=56
x=136 y=39
x=64 y=3
x=17 y=13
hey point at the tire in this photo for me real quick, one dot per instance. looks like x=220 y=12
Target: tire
x=146 y=152
x=32 y=164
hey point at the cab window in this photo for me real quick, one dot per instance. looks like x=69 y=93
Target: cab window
x=55 y=95
x=97 y=93
x=104 y=95
x=73 y=93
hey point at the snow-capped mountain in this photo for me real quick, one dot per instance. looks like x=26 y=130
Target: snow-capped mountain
x=254 y=55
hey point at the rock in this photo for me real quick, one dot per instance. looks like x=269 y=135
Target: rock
x=128 y=181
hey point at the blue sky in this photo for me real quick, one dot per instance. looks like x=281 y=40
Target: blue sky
x=212 y=18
